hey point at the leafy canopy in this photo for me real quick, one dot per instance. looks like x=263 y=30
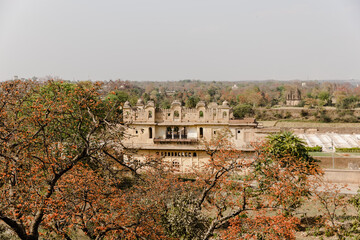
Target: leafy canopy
x=286 y=144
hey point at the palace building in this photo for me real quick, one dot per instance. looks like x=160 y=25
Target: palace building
x=177 y=134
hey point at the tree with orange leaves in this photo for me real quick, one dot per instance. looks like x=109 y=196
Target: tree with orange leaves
x=62 y=174
x=231 y=199
x=45 y=131
x=104 y=207
x=62 y=170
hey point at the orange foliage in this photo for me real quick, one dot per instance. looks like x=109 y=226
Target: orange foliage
x=61 y=171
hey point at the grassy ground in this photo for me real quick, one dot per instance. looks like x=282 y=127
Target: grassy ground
x=330 y=154
x=312 y=213
x=302 y=124
x=321 y=154
x=307 y=124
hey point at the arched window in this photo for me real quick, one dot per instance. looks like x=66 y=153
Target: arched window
x=168 y=133
x=183 y=133
x=224 y=114
x=150 y=132
x=201 y=114
x=176 y=132
x=176 y=114
x=201 y=132
x=150 y=114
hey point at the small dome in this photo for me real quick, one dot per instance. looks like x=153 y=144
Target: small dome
x=212 y=105
x=150 y=103
x=176 y=102
x=225 y=103
x=140 y=102
x=200 y=104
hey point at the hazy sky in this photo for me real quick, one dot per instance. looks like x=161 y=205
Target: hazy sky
x=188 y=39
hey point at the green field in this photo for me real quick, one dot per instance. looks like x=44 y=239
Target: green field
x=307 y=124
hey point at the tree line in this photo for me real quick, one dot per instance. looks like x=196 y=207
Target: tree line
x=246 y=98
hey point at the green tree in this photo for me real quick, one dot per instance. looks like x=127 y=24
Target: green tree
x=118 y=96
x=286 y=153
x=287 y=145
x=165 y=104
x=212 y=91
x=243 y=110
x=348 y=102
x=192 y=101
x=325 y=97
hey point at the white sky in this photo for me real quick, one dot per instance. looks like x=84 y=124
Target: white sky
x=189 y=39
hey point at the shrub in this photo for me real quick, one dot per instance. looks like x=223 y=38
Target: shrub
x=278 y=115
x=355 y=149
x=314 y=149
x=288 y=115
x=323 y=117
x=304 y=113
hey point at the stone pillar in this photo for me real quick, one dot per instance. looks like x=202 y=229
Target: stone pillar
x=172 y=132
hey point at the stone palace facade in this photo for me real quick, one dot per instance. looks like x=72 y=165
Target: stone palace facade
x=178 y=134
